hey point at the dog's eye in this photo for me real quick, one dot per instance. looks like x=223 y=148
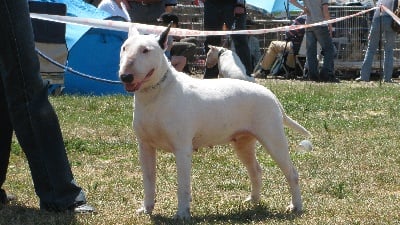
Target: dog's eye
x=123 y=48
x=145 y=50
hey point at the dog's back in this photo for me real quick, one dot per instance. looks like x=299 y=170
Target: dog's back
x=229 y=63
x=209 y=107
x=235 y=70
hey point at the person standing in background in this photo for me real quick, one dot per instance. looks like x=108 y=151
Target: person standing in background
x=233 y=14
x=25 y=108
x=318 y=11
x=373 y=42
x=254 y=44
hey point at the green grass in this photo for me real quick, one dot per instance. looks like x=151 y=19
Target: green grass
x=351 y=176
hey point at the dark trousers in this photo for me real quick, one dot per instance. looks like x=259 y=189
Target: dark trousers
x=146 y=13
x=25 y=108
x=217 y=13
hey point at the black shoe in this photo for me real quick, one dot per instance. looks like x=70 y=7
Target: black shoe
x=81 y=208
x=332 y=80
x=261 y=73
x=328 y=78
x=314 y=78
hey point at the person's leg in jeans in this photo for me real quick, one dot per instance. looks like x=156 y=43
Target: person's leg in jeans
x=241 y=42
x=213 y=20
x=33 y=118
x=390 y=37
x=373 y=42
x=312 y=61
x=5 y=142
x=323 y=37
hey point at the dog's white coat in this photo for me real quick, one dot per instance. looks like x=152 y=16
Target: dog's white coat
x=229 y=63
x=179 y=114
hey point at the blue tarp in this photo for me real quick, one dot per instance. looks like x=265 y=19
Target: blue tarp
x=91 y=51
x=277 y=8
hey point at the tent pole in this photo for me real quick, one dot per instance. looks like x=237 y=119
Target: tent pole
x=287 y=10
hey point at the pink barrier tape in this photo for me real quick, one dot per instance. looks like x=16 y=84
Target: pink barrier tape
x=152 y=29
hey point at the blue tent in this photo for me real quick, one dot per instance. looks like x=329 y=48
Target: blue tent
x=277 y=8
x=91 y=51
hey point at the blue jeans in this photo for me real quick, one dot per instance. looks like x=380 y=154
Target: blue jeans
x=25 y=108
x=320 y=34
x=389 y=44
x=215 y=15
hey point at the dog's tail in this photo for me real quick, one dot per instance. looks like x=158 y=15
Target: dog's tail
x=295 y=125
x=289 y=122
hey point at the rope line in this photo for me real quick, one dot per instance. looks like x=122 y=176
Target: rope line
x=69 y=69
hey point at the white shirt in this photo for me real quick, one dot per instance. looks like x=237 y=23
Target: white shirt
x=112 y=7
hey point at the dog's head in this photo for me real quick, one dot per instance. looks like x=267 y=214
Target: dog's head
x=142 y=60
x=213 y=55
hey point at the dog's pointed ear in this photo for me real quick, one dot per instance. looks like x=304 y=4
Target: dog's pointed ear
x=133 y=31
x=162 y=41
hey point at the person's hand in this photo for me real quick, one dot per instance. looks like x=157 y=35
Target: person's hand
x=169 y=8
x=330 y=29
x=306 y=11
x=239 y=10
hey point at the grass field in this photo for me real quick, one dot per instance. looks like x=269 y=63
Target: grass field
x=351 y=176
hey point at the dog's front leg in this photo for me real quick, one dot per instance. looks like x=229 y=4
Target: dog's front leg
x=147 y=156
x=183 y=167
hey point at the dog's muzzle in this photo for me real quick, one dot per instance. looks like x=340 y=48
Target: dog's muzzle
x=126 y=78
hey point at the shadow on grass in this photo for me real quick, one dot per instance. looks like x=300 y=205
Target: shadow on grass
x=246 y=216
x=22 y=215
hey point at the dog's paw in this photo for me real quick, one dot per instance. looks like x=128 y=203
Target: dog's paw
x=293 y=209
x=183 y=215
x=145 y=210
x=253 y=199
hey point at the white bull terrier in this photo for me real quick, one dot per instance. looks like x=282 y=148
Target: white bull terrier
x=180 y=114
x=229 y=63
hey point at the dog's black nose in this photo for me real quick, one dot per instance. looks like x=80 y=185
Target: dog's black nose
x=126 y=78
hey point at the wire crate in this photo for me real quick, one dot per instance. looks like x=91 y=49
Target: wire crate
x=350 y=37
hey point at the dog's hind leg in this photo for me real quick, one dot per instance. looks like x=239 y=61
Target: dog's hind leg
x=245 y=150
x=275 y=142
